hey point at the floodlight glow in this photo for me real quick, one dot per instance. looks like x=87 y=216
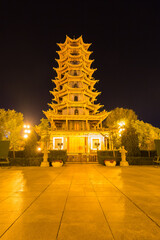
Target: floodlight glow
x=39 y=149
x=25 y=136
x=121 y=124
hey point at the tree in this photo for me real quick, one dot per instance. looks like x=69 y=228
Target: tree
x=31 y=145
x=11 y=126
x=2 y=122
x=120 y=115
x=146 y=134
x=43 y=130
x=130 y=141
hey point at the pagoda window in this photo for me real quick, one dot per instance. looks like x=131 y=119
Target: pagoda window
x=60 y=112
x=76 y=112
x=73 y=44
x=90 y=112
x=75 y=98
x=90 y=99
x=61 y=87
x=75 y=85
x=75 y=62
x=89 y=87
x=75 y=73
x=62 y=75
x=60 y=99
x=74 y=53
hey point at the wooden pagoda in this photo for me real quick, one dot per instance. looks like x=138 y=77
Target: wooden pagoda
x=75 y=118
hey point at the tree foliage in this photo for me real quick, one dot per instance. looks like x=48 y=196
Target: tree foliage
x=11 y=123
x=130 y=141
x=120 y=114
x=31 y=145
x=43 y=130
x=146 y=134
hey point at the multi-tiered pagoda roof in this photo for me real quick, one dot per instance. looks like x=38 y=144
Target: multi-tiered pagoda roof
x=74 y=94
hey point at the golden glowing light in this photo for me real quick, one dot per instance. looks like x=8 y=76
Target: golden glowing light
x=25 y=136
x=121 y=128
x=26 y=130
x=39 y=149
x=121 y=124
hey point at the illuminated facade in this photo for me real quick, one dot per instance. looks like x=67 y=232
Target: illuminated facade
x=76 y=121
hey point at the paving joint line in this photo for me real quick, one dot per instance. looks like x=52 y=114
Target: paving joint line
x=131 y=201
x=28 y=206
x=103 y=211
x=64 y=209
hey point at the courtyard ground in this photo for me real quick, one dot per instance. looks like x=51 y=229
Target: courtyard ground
x=80 y=201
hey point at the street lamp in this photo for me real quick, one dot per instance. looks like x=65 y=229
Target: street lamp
x=27 y=131
x=121 y=127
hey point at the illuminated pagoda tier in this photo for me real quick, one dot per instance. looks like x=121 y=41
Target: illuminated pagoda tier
x=74 y=116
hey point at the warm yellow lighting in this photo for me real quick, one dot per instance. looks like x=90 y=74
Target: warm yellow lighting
x=27 y=131
x=122 y=123
x=39 y=149
x=60 y=140
x=24 y=126
x=25 y=136
x=28 y=126
x=95 y=137
x=121 y=130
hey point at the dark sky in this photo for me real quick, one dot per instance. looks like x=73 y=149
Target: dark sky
x=125 y=37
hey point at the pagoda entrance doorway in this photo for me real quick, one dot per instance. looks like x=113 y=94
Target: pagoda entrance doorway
x=76 y=145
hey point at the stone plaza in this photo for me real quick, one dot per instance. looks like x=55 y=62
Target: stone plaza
x=80 y=201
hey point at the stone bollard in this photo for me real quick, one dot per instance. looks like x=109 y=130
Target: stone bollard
x=123 y=162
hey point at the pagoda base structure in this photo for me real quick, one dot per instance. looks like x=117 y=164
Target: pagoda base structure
x=81 y=146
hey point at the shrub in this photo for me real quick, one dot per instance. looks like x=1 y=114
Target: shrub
x=26 y=161
x=57 y=155
x=18 y=154
x=140 y=160
x=108 y=155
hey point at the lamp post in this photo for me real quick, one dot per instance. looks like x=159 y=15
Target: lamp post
x=26 y=131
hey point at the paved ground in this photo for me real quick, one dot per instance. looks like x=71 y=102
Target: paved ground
x=80 y=201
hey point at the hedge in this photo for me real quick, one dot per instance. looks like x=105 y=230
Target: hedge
x=36 y=161
x=57 y=155
x=110 y=155
x=140 y=160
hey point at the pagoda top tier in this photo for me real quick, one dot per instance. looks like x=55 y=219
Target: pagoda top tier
x=74 y=43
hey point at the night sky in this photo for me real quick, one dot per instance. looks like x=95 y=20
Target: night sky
x=125 y=37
